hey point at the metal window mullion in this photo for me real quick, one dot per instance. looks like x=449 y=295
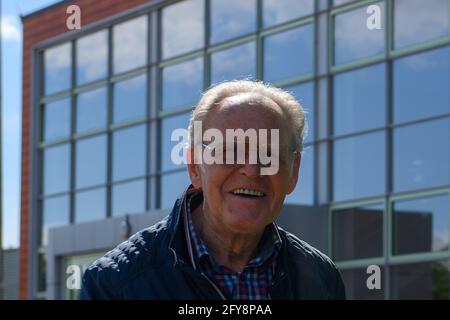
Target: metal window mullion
x=206 y=43
x=157 y=121
x=149 y=95
x=73 y=124
x=109 y=135
x=388 y=229
x=259 y=42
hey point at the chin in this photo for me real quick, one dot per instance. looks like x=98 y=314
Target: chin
x=247 y=220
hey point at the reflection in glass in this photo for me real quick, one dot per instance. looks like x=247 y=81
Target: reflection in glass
x=92 y=57
x=353 y=40
x=232 y=18
x=421 y=85
x=420 y=225
x=130 y=99
x=416 y=21
x=182 y=84
x=422 y=155
x=57 y=68
x=55 y=213
x=57 y=120
x=304 y=93
x=304 y=191
x=91 y=110
x=130 y=44
x=353 y=111
x=358 y=233
x=172 y=186
x=421 y=281
x=128 y=198
x=182 y=32
x=168 y=125
x=56 y=169
x=359 y=166
x=355 y=281
x=276 y=11
x=129 y=152
x=238 y=62
x=288 y=54
x=90 y=205
x=91 y=161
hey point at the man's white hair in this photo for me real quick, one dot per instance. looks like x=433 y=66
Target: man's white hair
x=290 y=107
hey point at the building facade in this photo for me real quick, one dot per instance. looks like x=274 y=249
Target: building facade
x=100 y=104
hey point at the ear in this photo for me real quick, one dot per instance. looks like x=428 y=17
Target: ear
x=193 y=169
x=295 y=173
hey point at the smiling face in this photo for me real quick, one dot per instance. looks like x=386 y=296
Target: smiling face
x=238 y=197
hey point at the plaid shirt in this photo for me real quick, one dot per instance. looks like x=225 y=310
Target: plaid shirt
x=254 y=281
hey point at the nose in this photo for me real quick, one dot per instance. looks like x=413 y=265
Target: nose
x=250 y=170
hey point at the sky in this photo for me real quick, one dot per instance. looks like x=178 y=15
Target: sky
x=11 y=38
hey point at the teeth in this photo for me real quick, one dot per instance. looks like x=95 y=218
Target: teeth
x=248 y=192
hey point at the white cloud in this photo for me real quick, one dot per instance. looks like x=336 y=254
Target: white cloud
x=182 y=32
x=418 y=20
x=11 y=29
x=352 y=37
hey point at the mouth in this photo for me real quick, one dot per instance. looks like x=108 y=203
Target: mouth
x=248 y=193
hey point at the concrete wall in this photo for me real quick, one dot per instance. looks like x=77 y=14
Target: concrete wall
x=11 y=274
x=89 y=237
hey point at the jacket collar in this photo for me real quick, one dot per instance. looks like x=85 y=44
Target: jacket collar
x=176 y=227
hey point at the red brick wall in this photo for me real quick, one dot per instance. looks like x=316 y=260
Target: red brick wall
x=37 y=28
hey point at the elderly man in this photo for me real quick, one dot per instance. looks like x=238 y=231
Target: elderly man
x=220 y=240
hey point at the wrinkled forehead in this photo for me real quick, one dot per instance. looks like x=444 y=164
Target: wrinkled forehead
x=249 y=100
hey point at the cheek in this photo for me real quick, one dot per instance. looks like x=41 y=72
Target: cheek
x=213 y=179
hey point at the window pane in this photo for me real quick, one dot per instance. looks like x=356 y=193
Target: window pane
x=238 y=62
x=353 y=111
x=129 y=152
x=130 y=99
x=55 y=213
x=421 y=85
x=90 y=205
x=92 y=57
x=182 y=84
x=359 y=166
x=57 y=64
x=353 y=40
x=232 y=18
x=57 y=120
x=417 y=21
x=276 y=11
x=172 y=186
x=358 y=233
x=56 y=169
x=168 y=125
x=91 y=157
x=130 y=44
x=421 y=281
x=304 y=191
x=420 y=225
x=288 y=54
x=128 y=198
x=91 y=110
x=182 y=32
x=304 y=93
x=355 y=281
x=422 y=155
